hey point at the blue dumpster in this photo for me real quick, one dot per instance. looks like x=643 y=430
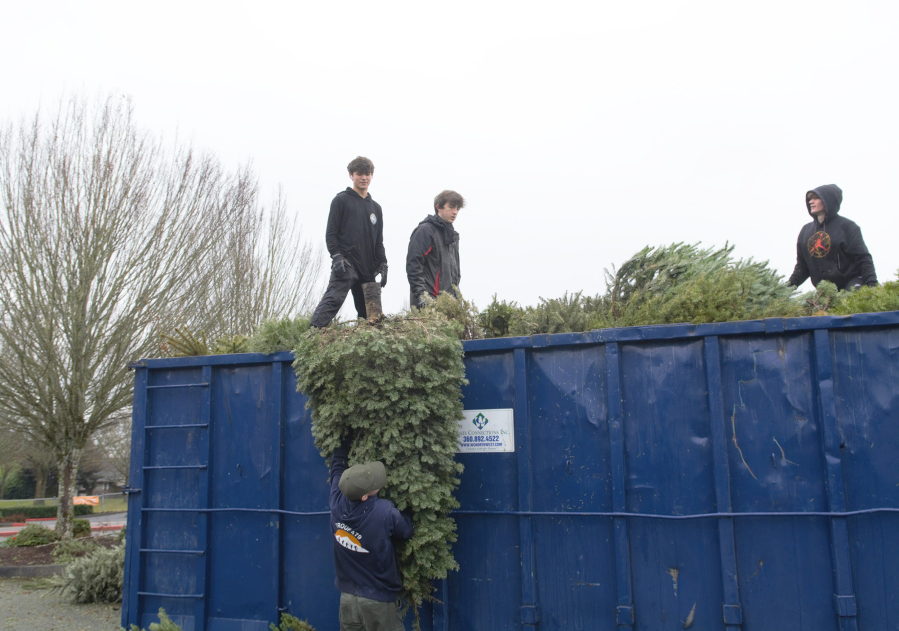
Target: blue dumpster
x=724 y=476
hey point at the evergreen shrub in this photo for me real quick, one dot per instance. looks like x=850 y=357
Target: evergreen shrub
x=41 y=512
x=502 y=319
x=165 y=624
x=67 y=551
x=31 y=535
x=884 y=297
x=96 y=577
x=683 y=283
x=289 y=623
x=276 y=335
x=396 y=386
x=81 y=528
x=463 y=312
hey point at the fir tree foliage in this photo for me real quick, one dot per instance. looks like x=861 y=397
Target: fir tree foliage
x=501 y=319
x=278 y=334
x=97 y=577
x=685 y=283
x=821 y=299
x=182 y=342
x=231 y=345
x=464 y=312
x=67 y=551
x=31 y=535
x=657 y=285
x=165 y=624
x=395 y=387
x=868 y=299
x=290 y=623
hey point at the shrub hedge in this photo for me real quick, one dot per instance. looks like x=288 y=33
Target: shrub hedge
x=40 y=512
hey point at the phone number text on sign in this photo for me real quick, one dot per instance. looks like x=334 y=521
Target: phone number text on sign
x=487 y=431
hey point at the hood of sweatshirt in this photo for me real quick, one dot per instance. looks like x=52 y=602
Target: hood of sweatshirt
x=349 y=190
x=449 y=232
x=831 y=195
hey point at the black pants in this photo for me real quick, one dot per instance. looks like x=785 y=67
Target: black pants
x=335 y=294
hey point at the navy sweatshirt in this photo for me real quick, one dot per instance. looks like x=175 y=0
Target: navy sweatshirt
x=363 y=532
x=356 y=230
x=833 y=250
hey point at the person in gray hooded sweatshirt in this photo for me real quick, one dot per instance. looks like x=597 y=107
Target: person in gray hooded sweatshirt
x=432 y=262
x=831 y=247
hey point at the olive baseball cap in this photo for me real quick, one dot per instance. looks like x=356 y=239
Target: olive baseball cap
x=362 y=479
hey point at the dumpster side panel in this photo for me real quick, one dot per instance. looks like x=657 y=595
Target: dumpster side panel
x=637 y=454
x=307 y=553
x=242 y=574
x=776 y=465
x=676 y=566
x=488 y=583
x=571 y=471
x=866 y=383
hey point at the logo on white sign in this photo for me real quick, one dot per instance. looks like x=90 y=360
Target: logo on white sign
x=487 y=431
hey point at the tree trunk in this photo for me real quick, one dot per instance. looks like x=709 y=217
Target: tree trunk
x=65 y=511
x=41 y=473
x=3 y=476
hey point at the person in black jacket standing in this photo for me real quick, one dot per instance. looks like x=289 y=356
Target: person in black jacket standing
x=831 y=247
x=355 y=240
x=364 y=528
x=432 y=262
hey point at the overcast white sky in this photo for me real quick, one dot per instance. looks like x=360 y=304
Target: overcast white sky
x=579 y=132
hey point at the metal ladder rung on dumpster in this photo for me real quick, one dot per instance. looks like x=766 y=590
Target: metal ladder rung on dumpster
x=204 y=497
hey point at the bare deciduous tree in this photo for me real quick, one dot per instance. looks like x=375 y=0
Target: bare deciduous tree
x=104 y=237
x=41 y=461
x=263 y=269
x=10 y=456
x=116 y=444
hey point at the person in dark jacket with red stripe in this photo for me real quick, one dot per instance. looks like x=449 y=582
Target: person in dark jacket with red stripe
x=432 y=263
x=355 y=240
x=831 y=247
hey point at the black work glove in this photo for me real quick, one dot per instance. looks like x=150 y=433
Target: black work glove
x=383 y=271
x=338 y=265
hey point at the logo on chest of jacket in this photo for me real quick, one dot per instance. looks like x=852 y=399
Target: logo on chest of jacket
x=819 y=244
x=374 y=220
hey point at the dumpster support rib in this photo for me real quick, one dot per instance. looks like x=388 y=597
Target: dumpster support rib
x=624 y=612
x=733 y=616
x=530 y=613
x=844 y=600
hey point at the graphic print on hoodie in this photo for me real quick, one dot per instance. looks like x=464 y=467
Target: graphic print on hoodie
x=833 y=250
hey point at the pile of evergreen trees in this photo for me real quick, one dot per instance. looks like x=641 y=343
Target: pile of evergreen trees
x=682 y=283
x=396 y=387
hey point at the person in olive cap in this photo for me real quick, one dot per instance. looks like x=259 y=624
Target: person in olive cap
x=831 y=247
x=364 y=527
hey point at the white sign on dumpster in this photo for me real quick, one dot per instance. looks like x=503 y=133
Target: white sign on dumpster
x=487 y=431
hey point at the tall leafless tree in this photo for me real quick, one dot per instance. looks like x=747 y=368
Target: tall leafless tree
x=105 y=239
x=263 y=269
x=10 y=456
